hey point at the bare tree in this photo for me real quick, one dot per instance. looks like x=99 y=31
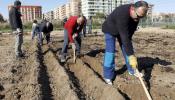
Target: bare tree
x=1 y=18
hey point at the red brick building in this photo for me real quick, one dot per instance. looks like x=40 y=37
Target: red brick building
x=29 y=13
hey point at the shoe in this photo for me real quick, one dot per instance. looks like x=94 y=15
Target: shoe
x=63 y=59
x=17 y=57
x=22 y=55
x=136 y=74
x=78 y=55
x=108 y=81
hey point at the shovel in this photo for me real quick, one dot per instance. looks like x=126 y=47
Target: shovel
x=74 y=56
x=143 y=85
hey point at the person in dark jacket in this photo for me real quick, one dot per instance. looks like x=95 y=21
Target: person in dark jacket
x=64 y=21
x=72 y=29
x=84 y=27
x=121 y=24
x=17 y=27
x=46 y=28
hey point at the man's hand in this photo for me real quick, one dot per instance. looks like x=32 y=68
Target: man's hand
x=73 y=46
x=133 y=61
x=74 y=36
x=19 y=31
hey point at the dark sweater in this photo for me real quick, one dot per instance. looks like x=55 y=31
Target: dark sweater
x=15 y=18
x=43 y=27
x=121 y=25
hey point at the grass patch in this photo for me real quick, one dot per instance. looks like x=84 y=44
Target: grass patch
x=169 y=27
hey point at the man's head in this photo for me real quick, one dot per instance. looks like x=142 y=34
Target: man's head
x=139 y=10
x=35 y=21
x=17 y=4
x=81 y=20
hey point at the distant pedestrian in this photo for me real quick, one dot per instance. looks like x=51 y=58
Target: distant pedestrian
x=84 y=27
x=89 y=25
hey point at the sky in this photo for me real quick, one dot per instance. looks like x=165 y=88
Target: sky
x=48 y=5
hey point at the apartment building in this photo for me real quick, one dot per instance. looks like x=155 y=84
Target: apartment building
x=49 y=15
x=91 y=7
x=72 y=8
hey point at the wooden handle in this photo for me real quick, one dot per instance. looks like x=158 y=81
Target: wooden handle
x=144 y=87
x=74 y=54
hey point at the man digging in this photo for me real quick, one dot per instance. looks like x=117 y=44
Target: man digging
x=72 y=29
x=121 y=24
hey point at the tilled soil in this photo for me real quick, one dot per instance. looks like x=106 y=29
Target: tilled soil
x=41 y=76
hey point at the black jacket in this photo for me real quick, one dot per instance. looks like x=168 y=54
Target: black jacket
x=15 y=18
x=121 y=25
x=43 y=27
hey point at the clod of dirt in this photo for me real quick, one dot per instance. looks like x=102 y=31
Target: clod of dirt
x=13 y=71
x=1 y=88
x=2 y=96
x=168 y=69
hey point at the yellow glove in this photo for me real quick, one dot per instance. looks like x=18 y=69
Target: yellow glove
x=133 y=61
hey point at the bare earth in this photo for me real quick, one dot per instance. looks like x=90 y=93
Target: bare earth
x=40 y=76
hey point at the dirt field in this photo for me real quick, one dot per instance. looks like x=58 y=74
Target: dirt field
x=40 y=76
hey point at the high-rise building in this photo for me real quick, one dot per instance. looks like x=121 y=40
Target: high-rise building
x=56 y=13
x=49 y=15
x=150 y=11
x=91 y=7
x=29 y=13
x=72 y=8
x=75 y=7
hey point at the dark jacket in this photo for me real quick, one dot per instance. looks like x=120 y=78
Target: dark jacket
x=43 y=27
x=15 y=18
x=121 y=25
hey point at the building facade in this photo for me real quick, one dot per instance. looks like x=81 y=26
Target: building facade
x=91 y=7
x=29 y=13
x=72 y=8
x=49 y=15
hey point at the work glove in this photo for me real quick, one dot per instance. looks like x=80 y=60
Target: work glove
x=73 y=46
x=19 y=31
x=133 y=61
x=74 y=36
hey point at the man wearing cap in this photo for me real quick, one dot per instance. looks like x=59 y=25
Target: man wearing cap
x=121 y=24
x=17 y=27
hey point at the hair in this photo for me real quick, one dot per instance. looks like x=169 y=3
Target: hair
x=17 y=3
x=81 y=16
x=35 y=21
x=141 y=4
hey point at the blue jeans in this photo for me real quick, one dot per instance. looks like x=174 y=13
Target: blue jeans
x=36 y=32
x=89 y=29
x=109 y=57
x=66 y=43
